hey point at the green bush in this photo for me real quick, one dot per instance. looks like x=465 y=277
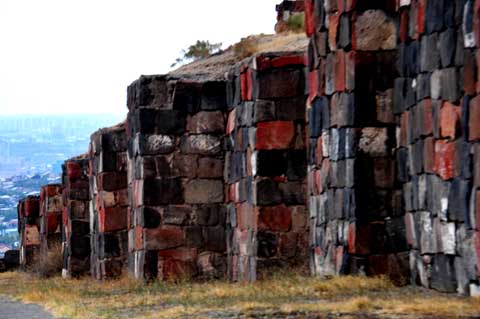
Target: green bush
x=296 y=23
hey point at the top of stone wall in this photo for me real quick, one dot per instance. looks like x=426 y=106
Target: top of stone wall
x=214 y=67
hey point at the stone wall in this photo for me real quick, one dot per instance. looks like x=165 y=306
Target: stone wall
x=355 y=200
x=51 y=207
x=75 y=218
x=29 y=231
x=266 y=165
x=438 y=151
x=109 y=202
x=177 y=217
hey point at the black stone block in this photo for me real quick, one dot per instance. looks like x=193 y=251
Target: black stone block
x=434 y=16
x=187 y=97
x=144 y=121
x=80 y=246
x=402 y=172
x=349 y=203
x=459 y=199
x=423 y=86
x=293 y=193
x=443 y=274
x=109 y=246
x=264 y=111
x=398 y=96
x=267 y=244
x=396 y=240
x=271 y=163
x=447 y=43
x=170 y=122
x=450 y=88
x=296 y=165
x=412 y=60
x=464 y=159
x=211 y=215
x=215 y=238
x=429 y=54
x=319 y=117
x=213 y=96
x=151 y=217
x=80 y=228
x=268 y=192
x=162 y=191
x=292 y=109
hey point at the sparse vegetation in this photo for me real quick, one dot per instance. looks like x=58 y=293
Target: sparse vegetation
x=50 y=264
x=296 y=23
x=199 y=50
x=279 y=296
x=245 y=48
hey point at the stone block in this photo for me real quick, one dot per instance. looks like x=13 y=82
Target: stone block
x=275 y=219
x=112 y=219
x=429 y=54
x=267 y=192
x=162 y=191
x=210 y=168
x=279 y=83
x=446 y=45
x=459 y=200
x=449 y=121
x=450 y=88
x=201 y=144
x=166 y=237
x=473 y=122
x=274 y=135
x=203 y=191
x=373 y=141
x=206 y=122
x=443 y=274
x=445 y=159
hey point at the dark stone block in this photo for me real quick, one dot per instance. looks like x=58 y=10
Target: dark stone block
x=464 y=159
x=264 y=111
x=423 y=86
x=215 y=238
x=143 y=120
x=109 y=246
x=170 y=122
x=211 y=215
x=344 y=34
x=339 y=203
x=79 y=245
x=267 y=244
x=162 y=191
x=398 y=96
x=349 y=203
x=319 y=117
x=416 y=157
x=450 y=88
x=293 y=193
x=434 y=16
x=346 y=110
x=458 y=200
x=296 y=165
x=279 y=83
x=213 y=96
x=187 y=97
x=443 y=273
x=411 y=60
x=429 y=54
x=396 y=240
x=446 y=45
x=271 y=162
x=292 y=109
x=151 y=217
x=194 y=236
x=80 y=228
x=402 y=165
x=268 y=192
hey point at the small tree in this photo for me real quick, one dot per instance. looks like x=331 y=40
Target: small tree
x=197 y=51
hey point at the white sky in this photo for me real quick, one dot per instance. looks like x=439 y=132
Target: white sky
x=78 y=56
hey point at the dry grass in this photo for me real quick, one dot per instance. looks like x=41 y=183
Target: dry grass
x=279 y=296
x=50 y=263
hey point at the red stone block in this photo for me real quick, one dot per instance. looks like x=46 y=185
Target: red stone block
x=333 y=20
x=274 y=135
x=313 y=85
x=277 y=218
x=420 y=17
x=32 y=236
x=359 y=239
x=288 y=60
x=246 y=85
x=474 y=120
x=246 y=216
x=427 y=110
x=32 y=207
x=52 y=222
x=319 y=151
x=449 y=121
x=445 y=159
x=138 y=237
x=166 y=237
x=183 y=254
x=74 y=170
x=404 y=25
x=469 y=74
x=340 y=71
x=429 y=155
x=112 y=219
x=309 y=17
x=172 y=269
x=476 y=21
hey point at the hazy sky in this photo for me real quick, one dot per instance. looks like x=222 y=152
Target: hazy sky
x=78 y=56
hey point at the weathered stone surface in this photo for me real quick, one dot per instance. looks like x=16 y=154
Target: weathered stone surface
x=374 y=31
x=203 y=191
x=201 y=144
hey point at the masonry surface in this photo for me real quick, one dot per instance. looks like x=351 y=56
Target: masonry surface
x=358 y=155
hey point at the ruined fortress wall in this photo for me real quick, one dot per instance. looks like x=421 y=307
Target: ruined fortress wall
x=75 y=218
x=266 y=165
x=175 y=160
x=109 y=202
x=355 y=200
x=416 y=143
x=50 y=219
x=436 y=101
x=29 y=231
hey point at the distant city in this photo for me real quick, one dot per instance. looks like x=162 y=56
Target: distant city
x=32 y=150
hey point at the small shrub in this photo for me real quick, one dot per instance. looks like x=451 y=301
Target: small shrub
x=296 y=23
x=197 y=51
x=245 y=48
